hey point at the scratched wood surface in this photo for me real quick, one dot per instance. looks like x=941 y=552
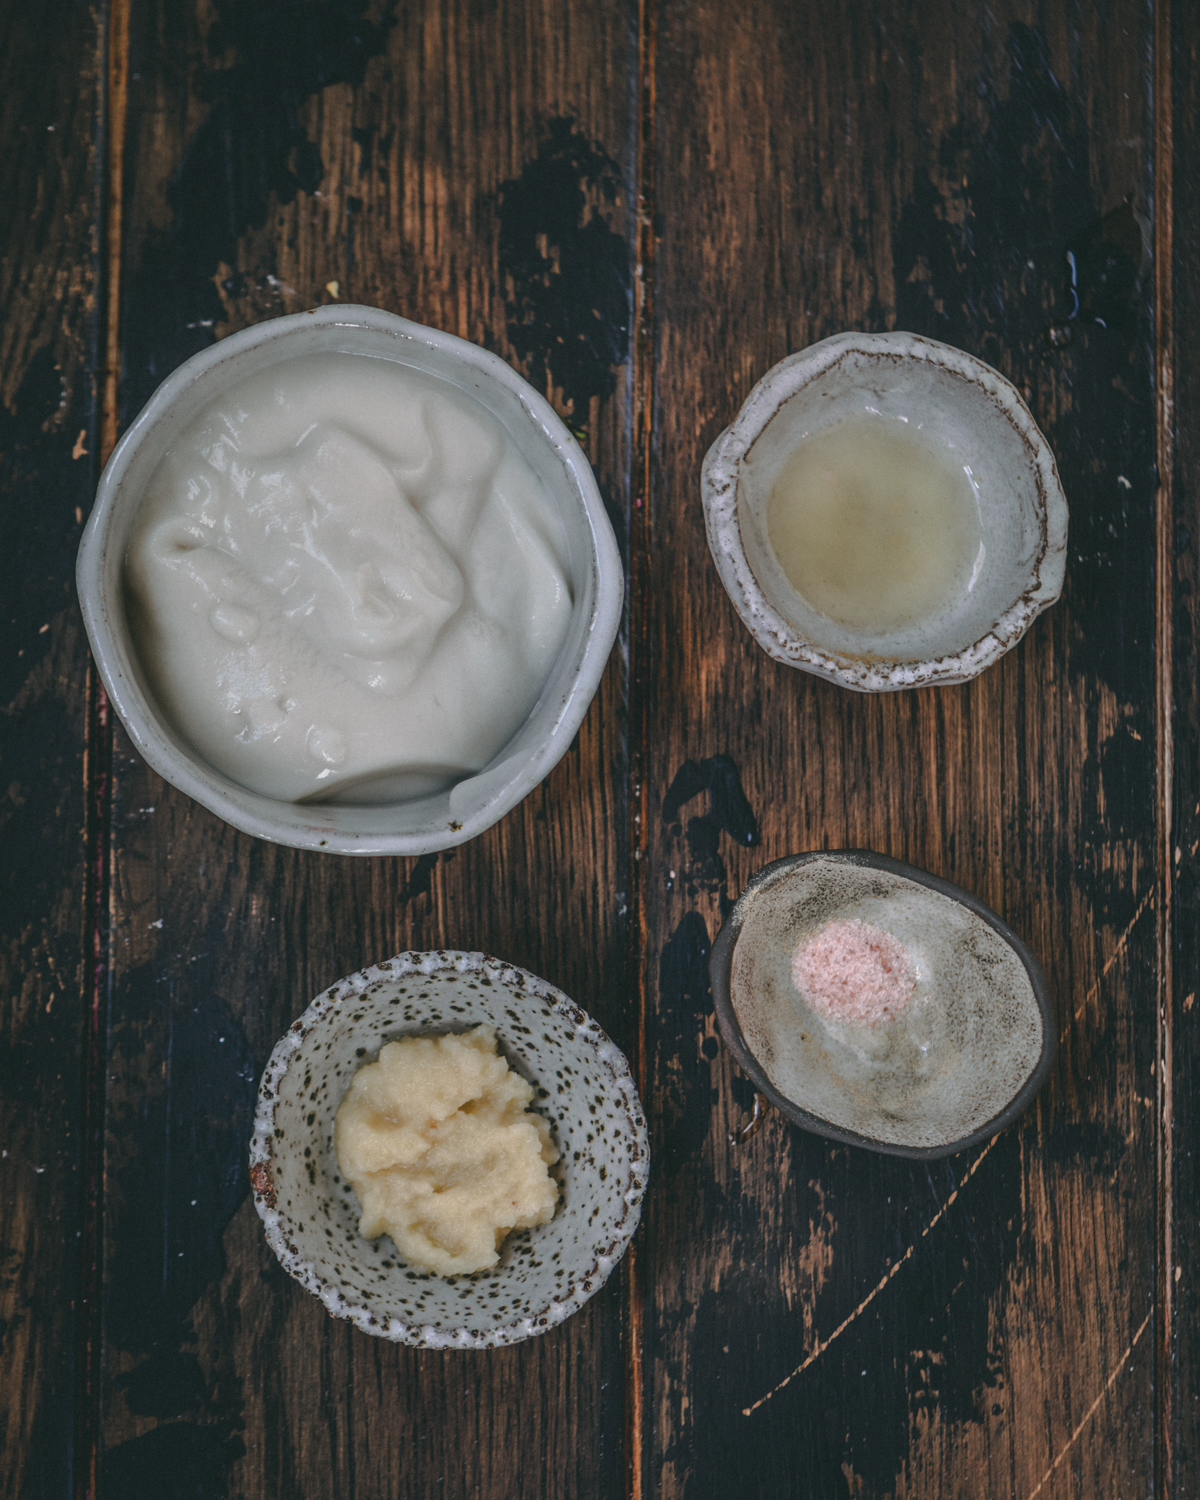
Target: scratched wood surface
x=48 y=304
x=823 y=1321
x=434 y=160
x=1182 y=452
x=799 y=1320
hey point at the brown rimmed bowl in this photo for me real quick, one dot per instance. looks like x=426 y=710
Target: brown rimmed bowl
x=966 y=1057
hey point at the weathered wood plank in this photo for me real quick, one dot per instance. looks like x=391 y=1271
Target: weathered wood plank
x=48 y=239
x=983 y=1326
x=1182 y=1093
x=410 y=157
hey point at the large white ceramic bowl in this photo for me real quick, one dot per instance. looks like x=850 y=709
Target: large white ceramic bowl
x=583 y=1088
x=429 y=823
x=963 y=407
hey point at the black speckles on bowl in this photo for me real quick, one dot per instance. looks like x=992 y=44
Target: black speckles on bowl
x=974 y=1046
x=311 y=1215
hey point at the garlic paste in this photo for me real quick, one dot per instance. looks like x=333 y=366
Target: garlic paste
x=346 y=583
x=437 y=1141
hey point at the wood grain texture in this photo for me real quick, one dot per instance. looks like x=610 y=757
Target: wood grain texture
x=981 y=1326
x=804 y=1320
x=48 y=238
x=1183 y=1346
x=467 y=166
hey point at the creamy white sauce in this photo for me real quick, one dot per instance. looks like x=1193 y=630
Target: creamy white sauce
x=346 y=583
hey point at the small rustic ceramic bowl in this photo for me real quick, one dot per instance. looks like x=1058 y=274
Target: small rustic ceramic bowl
x=421 y=825
x=583 y=1088
x=964 y=1058
x=962 y=407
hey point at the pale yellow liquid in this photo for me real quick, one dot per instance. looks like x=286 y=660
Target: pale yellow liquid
x=873 y=526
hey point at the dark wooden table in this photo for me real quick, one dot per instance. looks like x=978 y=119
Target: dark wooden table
x=642 y=206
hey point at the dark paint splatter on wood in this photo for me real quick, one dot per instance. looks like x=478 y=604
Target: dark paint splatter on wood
x=40 y=487
x=168 y=1384
x=172 y=1190
x=251 y=152
x=44 y=493
x=364 y=139
x=685 y=1005
x=704 y=844
x=39 y=820
x=927 y=1341
x=50 y=1469
x=683 y=966
x=570 y=309
x=1117 y=776
x=729 y=811
x=420 y=879
x=1106 y=264
x=176 y=1461
x=979 y=265
x=683 y=979
x=184 y=1175
x=728 y=806
x=1019 y=179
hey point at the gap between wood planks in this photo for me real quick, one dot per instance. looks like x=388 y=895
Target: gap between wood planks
x=116 y=97
x=1164 y=656
x=97 y=783
x=639 y=678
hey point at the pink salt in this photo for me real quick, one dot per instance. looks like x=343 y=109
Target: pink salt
x=851 y=971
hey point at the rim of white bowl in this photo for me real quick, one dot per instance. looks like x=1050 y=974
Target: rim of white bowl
x=296 y=825
x=777 y=636
x=501 y=974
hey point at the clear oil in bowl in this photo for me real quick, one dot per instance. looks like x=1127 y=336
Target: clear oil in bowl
x=874 y=526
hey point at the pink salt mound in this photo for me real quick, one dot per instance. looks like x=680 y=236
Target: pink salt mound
x=851 y=971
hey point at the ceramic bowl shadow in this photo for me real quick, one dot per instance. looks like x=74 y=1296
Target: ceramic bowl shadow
x=583 y=1086
x=876 y=875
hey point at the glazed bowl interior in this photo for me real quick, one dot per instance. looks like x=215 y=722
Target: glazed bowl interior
x=583 y=1087
x=970 y=416
x=421 y=824
x=964 y=1057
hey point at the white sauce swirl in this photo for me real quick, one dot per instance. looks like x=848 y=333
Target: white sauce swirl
x=346 y=583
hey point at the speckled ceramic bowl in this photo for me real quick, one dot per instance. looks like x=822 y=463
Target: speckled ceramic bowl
x=965 y=1057
x=962 y=407
x=583 y=1087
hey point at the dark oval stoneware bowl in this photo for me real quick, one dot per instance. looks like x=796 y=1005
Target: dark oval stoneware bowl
x=966 y=1053
x=583 y=1087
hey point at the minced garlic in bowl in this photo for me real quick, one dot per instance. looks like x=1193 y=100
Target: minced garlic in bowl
x=442 y=1151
